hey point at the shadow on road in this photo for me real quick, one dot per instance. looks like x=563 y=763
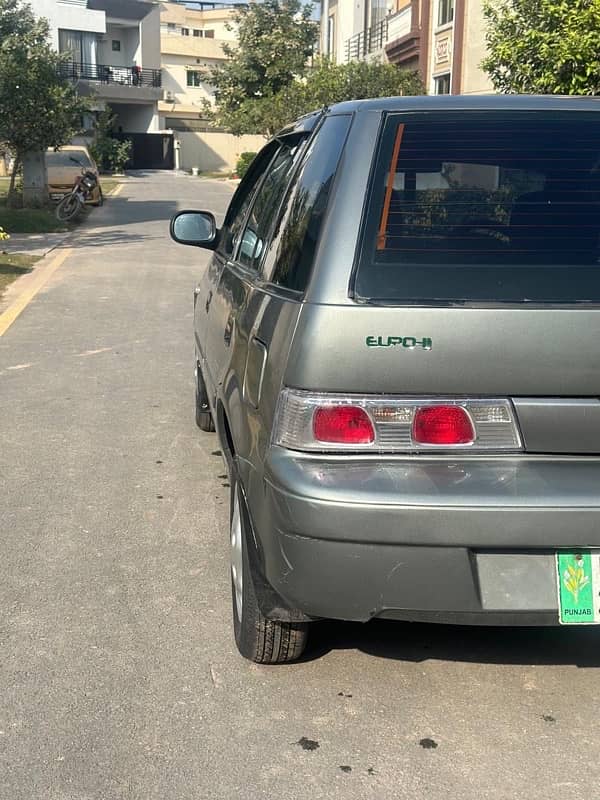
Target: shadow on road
x=473 y=644
x=112 y=236
x=126 y=211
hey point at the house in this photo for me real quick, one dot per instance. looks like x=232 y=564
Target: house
x=191 y=43
x=114 y=55
x=443 y=39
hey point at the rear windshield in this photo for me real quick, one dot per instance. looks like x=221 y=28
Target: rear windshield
x=64 y=158
x=484 y=207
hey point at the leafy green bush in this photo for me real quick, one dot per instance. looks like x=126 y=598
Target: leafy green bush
x=110 y=154
x=243 y=162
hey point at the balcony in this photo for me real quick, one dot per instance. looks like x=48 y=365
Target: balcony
x=110 y=82
x=367 y=42
x=105 y=74
x=400 y=24
x=394 y=31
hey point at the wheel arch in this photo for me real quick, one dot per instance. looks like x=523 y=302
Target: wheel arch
x=270 y=603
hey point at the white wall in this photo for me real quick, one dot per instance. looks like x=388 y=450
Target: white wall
x=214 y=152
x=148 y=55
x=135 y=118
x=130 y=40
x=349 y=19
x=174 y=79
x=69 y=16
x=474 y=79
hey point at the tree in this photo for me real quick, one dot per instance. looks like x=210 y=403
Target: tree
x=38 y=108
x=275 y=41
x=323 y=85
x=543 y=46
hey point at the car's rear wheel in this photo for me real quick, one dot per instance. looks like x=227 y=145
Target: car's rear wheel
x=258 y=639
x=204 y=418
x=100 y=200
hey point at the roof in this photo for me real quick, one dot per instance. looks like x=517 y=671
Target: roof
x=487 y=102
x=122 y=9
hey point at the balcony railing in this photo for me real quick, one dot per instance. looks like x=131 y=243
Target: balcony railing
x=105 y=73
x=365 y=42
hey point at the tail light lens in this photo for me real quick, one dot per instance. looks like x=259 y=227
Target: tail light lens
x=318 y=422
x=343 y=425
x=439 y=425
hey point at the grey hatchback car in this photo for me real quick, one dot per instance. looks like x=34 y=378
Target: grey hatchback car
x=398 y=343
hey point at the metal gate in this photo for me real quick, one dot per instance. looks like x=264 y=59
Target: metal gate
x=150 y=150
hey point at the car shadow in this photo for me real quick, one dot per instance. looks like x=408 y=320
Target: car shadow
x=416 y=642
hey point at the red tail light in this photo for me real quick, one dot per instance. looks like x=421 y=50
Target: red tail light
x=442 y=425
x=343 y=425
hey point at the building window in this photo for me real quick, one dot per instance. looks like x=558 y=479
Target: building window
x=194 y=77
x=331 y=36
x=442 y=84
x=445 y=11
x=209 y=34
x=171 y=26
x=197 y=33
x=185 y=31
x=116 y=46
x=81 y=46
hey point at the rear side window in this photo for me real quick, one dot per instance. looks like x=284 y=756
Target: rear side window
x=238 y=208
x=484 y=207
x=292 y=250
x=266 y=204
x=64 y=158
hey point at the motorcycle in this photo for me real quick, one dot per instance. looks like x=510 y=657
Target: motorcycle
x=72 y=203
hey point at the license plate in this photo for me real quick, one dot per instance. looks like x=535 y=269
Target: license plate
x=57 y=195
x=578 y=576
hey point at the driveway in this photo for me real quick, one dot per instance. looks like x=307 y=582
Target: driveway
x=119 y=679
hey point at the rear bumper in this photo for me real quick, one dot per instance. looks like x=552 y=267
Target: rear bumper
x=471 y=542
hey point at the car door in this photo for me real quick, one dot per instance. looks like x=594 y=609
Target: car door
x=232 y=342
x=210 y=307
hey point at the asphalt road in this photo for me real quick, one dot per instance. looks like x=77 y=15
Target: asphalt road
x=119 y=678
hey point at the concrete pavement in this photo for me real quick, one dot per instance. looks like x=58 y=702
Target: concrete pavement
x=119 y=678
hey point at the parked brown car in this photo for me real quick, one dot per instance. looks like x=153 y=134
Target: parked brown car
x=64 y=167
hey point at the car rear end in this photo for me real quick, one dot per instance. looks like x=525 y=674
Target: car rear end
x=436 y=449
x=64 y=167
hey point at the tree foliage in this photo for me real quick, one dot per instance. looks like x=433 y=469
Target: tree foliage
x=324 y=84
x=38 y=108
x=275 y=41
x=543 y=46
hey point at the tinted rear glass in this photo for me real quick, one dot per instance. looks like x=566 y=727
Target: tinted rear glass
x=62 y=158
x=484 y=207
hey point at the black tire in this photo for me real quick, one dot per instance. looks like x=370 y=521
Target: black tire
x=204 y=418
x=100 y=201
x=258 y=639
x=68 y=208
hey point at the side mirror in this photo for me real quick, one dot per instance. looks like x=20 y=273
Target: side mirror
x=196 y=228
